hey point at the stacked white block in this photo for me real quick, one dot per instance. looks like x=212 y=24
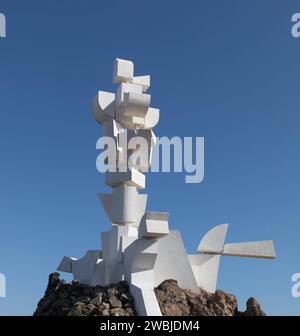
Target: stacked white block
x=132 y=178
x=154 y=225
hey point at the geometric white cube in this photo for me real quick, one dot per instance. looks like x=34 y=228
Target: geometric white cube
x=123 y=71
x=154 y=225
x=132 y=178
x=125 y=88
x=143 y=81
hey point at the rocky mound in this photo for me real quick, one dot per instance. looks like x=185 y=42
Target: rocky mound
x=74 y=299
x=174 y=301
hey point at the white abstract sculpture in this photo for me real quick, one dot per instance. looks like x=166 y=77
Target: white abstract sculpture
x=140 y=248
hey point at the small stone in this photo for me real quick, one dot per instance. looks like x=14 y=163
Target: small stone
x=129 y=312
x=112 y=291
x=253 y=308
x=105 y=312
x=97 y=300
x=115 y=302
x=118 y=312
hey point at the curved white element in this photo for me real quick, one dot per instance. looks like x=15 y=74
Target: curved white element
x=152 y=118
x=104 y=106
x=213 y=240
x=82 y=269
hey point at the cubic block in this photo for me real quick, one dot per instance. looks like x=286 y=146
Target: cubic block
x=136 y=104
x=130 y=178
x=143 y=81
x=123 y=71
x=154 y=225
x=123 y=212
x=125 y=88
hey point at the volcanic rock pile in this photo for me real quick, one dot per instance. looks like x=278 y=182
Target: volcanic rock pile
x=74 y=299
x=174 y=301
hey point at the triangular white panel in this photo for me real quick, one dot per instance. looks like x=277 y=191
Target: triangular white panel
x=259 y=249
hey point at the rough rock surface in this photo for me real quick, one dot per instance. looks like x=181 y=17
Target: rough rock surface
x=74 y=299
x=174 y=301
x=253 y=308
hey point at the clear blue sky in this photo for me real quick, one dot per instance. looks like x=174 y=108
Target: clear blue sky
x=225 y=70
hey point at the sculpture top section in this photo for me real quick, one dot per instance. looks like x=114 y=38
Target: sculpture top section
x=130 y=106
x=123 y=72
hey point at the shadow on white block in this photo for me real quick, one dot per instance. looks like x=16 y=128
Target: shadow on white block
x=154 y=225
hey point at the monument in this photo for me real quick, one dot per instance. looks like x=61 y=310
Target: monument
x=140 y=248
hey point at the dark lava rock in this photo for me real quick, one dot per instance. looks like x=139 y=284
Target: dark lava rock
x=75 y=299
x=253 y=308
x=174 y=301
